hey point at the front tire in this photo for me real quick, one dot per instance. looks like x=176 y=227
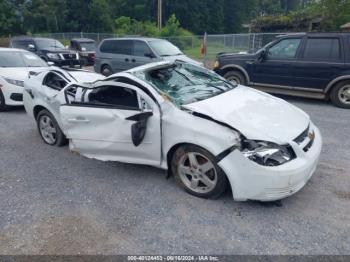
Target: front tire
x=49 y=130
x=235 y=76
x=340 y=94
x=197 y=172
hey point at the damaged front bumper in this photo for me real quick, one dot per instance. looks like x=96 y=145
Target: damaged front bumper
x=250 y=181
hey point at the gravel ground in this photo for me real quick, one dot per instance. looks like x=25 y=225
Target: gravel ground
x=57 y=202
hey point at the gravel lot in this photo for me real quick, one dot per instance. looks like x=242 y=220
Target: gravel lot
x=57 y=202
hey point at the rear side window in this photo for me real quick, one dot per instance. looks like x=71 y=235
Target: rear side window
x=22 y=44
x=114 y=96
x=322 y=49
x=121 y=47
x=141 y=48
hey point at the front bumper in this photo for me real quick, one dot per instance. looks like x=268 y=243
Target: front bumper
x=250 y=181
x=13 y=94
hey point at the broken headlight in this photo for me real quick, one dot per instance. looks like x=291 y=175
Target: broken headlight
x=267 y=153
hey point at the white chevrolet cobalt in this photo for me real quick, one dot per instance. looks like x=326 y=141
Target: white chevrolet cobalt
x=15 y=65
x=208 y=132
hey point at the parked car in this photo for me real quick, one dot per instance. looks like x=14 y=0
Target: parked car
x=208 y=132
x=312 y=65
x=15 y=65
x=42 y=98
x=86 y=49
x=119 y=54
x=50 y=50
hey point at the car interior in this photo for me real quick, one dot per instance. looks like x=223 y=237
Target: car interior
x=114 y=96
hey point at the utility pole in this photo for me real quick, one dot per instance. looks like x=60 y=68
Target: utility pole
x=160 y=14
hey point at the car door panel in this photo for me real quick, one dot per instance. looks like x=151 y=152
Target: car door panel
x=276 y=68
x=320 y=63
x=106 y=133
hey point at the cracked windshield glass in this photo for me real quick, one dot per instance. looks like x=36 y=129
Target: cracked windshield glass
x=184 y=83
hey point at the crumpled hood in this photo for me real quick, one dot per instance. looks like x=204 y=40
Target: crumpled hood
x=18 y=73
x=255 y=114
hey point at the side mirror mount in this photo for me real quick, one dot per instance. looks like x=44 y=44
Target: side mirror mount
x=31 y=47
x=138 y=129
x=262 y=55
x=149 y=55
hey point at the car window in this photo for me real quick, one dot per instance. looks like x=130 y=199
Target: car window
x=11 y=59
x=43 y=43
x=164 y=48
x=322 y=49
x=22 y=44
x=141 y=48
x=114 y=96
x=54 y=81
x=32 y=60
x=285 y=49
x=185 y=83
x=122 y=47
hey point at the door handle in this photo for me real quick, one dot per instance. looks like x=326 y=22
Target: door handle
x=126 y=59
x=133 y=60
x=78 y=120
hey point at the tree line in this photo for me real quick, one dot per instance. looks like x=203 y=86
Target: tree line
x=140 y=16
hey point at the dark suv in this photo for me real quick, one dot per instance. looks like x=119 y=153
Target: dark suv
x=48 y=49
x=86 y=49
x=315 y=65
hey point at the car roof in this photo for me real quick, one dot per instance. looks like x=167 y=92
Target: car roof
x=84 y=40
x=319 y=34
x=146 y=39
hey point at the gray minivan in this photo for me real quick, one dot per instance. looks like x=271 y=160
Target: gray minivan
x=118 y=54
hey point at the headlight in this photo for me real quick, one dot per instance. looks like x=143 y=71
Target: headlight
x=267 y=153
x=53 y=56
x=15 y=82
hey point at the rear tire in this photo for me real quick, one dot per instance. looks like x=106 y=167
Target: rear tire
x=106 y=70
x=340 y=94
x=196 y=171
x=235 y=76
x=49 y=130
x=3 y=106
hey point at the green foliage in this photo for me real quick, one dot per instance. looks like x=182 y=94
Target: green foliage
x=138 y=17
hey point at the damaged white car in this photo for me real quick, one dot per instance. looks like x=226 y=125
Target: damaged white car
x=206 y=131
x=42 y=98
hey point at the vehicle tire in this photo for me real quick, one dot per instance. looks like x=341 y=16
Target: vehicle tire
x=49 y=130
x=235 y=76
x=197 y=172
x=340 y=94
x=3 y=106
x=106 y=70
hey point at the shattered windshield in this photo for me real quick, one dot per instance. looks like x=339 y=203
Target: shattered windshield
x=185 y=83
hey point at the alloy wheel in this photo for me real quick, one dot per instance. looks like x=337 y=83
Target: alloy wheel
x=197 y=172
x=344 y=94
x=48 y=130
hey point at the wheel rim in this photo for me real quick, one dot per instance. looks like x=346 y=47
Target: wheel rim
x=47 y=130
x=344 y=94
x=197 y=172
x=234 y=79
